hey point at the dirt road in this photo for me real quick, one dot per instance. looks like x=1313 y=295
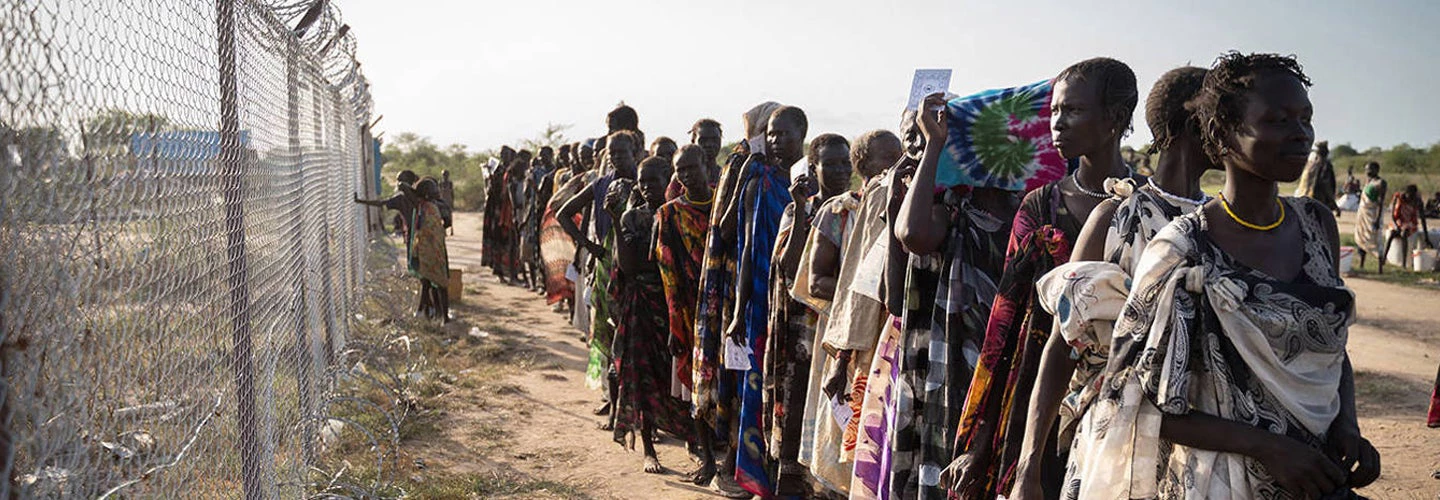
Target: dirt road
x=532 y=424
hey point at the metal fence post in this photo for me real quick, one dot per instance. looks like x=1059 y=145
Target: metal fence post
x=232 y=166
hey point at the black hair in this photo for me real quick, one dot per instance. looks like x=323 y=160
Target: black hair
x=1220 y=105
x=663 y=140
x=635 y=141
x=623 y=117
x=428 y=188
x=652 y=161
x=860 y=151
x=703 y=123
x=1165 y=107
x=792 y=113
x=812 y=154
x=543 y=149
x=1118 y=93
x=407 y=177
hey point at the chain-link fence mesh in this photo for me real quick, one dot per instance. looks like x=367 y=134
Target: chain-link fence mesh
x=179 y=252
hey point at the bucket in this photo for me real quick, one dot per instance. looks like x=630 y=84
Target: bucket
x=1424 y=260
x=1347 y=259
x=455 y=286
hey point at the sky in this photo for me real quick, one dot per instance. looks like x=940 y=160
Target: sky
x=485 y=73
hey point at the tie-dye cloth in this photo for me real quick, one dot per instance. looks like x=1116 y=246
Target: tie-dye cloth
x=1000 y=138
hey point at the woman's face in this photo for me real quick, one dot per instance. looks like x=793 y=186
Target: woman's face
x=621 y=155
x=1274 y=136
x=784 y=139
x=1079 y=124
x=653 y=180
x=690 y=169
x=834 y=169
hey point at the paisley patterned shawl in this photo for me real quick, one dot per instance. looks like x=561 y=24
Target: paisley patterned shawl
x=1001 y=138
x=1203 y=333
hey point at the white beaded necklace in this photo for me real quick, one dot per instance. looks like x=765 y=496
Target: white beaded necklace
x=1176 y=199
x=1129 y=172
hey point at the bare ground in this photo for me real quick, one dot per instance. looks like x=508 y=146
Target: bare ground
x=518 y=421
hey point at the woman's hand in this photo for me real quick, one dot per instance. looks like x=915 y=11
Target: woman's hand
x=933 y=123
x=1303 y=471
x=1358 y=458
x=799 y=191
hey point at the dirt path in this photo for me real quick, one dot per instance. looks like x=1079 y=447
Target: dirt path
x=535 y=422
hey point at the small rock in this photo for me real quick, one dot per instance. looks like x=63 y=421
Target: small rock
x=330 y=431
x=119 y=450
x=51 y=474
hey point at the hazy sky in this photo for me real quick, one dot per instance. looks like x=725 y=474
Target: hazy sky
x=483 y=73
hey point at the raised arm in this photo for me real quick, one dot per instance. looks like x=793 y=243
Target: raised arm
x=919 y=225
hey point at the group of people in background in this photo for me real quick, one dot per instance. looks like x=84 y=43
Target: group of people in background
x=423 y=213
x=824 y=319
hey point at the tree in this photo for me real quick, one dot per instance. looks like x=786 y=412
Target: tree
x=1343 y=150
x=110 y=131
x=553 y=136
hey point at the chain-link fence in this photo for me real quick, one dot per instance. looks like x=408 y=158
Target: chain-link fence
x=179 y=252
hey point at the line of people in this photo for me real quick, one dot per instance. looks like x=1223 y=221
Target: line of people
x=826 y=320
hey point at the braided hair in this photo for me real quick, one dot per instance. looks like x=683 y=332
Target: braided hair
x=1165 y=107
x=1118 y=93
x=1220 y=105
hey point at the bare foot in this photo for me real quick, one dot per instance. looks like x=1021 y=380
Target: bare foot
x=607 y=426
x=652 y=465
x=701 y=476
x=603 y=409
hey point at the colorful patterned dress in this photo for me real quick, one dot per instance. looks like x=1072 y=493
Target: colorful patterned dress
x=1202 y=332
x=602 y=328
x=641 y=356
x=428 y=258
x=763 y=196
x=947 y=307
x=680 y=229
x=787 y=359
x=714 y=386
x=990 y=428
x=557 y=250
x=849 y=321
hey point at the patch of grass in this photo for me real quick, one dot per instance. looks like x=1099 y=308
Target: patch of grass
x=489 y=433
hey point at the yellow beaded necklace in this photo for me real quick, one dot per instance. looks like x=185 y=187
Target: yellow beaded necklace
x=1250 y=225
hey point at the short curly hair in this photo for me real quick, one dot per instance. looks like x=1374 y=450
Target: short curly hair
x=861 y=150
x=812 y=153
x=1118 y=91
x=636 y=142
x=705 y=123
x=1220 y=105
x=1165 y=107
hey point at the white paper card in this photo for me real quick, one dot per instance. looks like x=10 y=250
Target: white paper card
x=841 y=411
x=737 y=357
x=927 y=81
x=757 y=145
